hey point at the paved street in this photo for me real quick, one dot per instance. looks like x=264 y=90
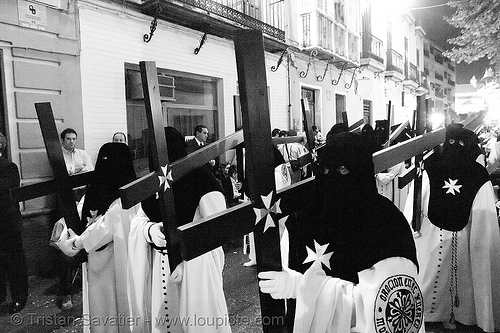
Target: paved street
x=42 y=315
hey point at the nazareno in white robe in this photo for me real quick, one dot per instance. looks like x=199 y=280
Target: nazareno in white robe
x=106 y=293
x=197 y=303
x=331 y=305
x=478 y=263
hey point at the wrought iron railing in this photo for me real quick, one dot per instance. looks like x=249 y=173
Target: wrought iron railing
x=265 y=15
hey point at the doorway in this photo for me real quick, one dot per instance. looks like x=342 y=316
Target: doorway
x=310 y=96
x=339 y=107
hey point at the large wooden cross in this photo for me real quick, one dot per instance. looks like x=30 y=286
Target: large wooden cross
x=267 y=208
x=62 y=184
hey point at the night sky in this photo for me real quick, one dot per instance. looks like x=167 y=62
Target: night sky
x=438 y=30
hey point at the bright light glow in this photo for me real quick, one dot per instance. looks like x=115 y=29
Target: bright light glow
x=394 y=6
x=436 y=119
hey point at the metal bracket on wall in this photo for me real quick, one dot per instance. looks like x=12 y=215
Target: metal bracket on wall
x=357 y=70
x=336 y=81
x=313 y=53
x=152 y=27
x=202 y=41
x=280 y=60
x=378 y=74
x=320 y=78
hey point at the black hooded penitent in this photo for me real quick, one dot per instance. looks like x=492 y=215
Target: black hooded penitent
x=455 y=178
x=189 y=189
x=113 y=169
x=361 y=226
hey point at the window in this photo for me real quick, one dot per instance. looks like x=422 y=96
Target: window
x=187 y=100
x=250 y=7
x=339 y=11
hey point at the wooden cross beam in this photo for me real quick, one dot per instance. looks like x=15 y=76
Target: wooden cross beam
x=344 y=118
x=356 y=125
x=62 y=184
x=307 y=120
x=473 y=123
x=396 y=133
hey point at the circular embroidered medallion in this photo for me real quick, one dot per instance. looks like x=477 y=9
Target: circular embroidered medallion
x=399 y=306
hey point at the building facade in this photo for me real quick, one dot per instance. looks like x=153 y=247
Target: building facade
x=442 y=78
x=343 y=57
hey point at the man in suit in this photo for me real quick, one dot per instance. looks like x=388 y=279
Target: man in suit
x=199 y=140
x=12 y=260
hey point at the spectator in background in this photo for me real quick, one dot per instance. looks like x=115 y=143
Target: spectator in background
x=292 y=152
x=120 y=137
x=77 y=160
x=12 y=260
x=318 y=137
x=199 y=140
x=228 y=179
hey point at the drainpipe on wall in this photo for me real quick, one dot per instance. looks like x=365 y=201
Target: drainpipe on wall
x=288 y=57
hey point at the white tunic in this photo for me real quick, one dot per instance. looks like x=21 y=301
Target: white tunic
x=107 y=271
x=478 y=275
x=333 y=305
x=197 y=303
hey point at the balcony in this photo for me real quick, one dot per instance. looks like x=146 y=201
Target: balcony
x=372 y=52
x=450 y=66
x=411 y=79
x=394 y=68
x=438 y=77
x=328 y=38
x=223 y=18
x=451 y=83
x=438 y=58
x=423 y=85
